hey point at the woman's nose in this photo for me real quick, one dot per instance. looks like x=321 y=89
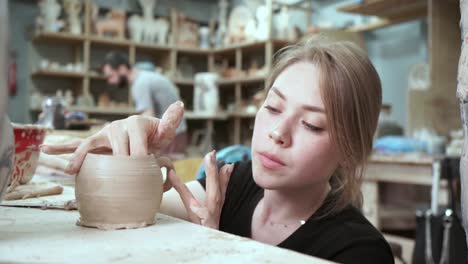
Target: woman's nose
x=280 y=137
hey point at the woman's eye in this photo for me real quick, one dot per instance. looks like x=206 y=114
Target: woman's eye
x=272 y=109
x=312 y=127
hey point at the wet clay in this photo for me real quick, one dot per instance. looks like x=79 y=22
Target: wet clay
x=116 y=192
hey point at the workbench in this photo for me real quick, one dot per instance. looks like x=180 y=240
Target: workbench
x=412 y=172
x=31 y=235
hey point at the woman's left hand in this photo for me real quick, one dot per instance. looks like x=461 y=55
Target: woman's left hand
x=207 y=214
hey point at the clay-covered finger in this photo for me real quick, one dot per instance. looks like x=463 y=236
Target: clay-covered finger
x=118 y=138
x=138 y=135
x=169 y=122
x=61 y=148
x=224 y=176
x=213 y=195
x=187 y=197
x=97 y=141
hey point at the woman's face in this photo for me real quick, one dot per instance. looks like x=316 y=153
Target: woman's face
x=291 y=147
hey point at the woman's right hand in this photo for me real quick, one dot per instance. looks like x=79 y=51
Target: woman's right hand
x=135 y=136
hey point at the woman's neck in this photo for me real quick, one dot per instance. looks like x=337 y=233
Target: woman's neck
x=293 y=205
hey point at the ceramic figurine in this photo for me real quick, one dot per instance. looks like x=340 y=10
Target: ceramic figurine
x=263 y=30
x=187 y=32
x=206 y=94
x=113 y=24
x=241 y=23
x=129 y=194
x=7 y=149
x=135 y=28
x=222 y=25
x=49 y=12
x=147 y=29
x=282 y=23
x=204 y=37
x=162 y=29
x=73 y=10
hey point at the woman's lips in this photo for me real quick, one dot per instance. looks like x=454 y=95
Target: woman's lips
x=270 y=161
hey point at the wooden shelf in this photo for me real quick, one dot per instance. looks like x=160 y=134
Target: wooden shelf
x=97 y=110
x=151 y=47
x=52 y=37
x=241 y=80
x=390 y=12
x=58 y=74
x=193 y=51
x=388 y=8
x=223 y=81
x=96 y=76
x=251 y=45
x=102 y=110
x=183 y=81
x=243 y=115
x=110 y=41
x=203 y=116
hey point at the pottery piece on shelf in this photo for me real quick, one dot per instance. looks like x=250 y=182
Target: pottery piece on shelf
x=206 y=94
x=49 y=12
x=222 y=24
x=116 y=192
x=282 y=23
x=104 y=100
x=73 y=9
x=262 y=30
x=187 y=32
x=147 y=29
x=204 y=37
x=113 y=24
x=161 y=27
x=239 y=19
x=7 y=148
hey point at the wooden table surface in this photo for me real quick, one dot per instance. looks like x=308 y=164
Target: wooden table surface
x=29 y=235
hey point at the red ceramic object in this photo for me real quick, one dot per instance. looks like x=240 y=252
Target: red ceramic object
x=28 y=138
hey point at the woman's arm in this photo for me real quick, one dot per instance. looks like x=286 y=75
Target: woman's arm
x=172 y=203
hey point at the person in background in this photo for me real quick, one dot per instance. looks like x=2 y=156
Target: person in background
x=312 y=138
x=152 y=93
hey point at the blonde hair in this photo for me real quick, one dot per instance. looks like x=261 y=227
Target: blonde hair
x=352 y=97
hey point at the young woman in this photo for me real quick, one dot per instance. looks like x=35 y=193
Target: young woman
x=311 y=140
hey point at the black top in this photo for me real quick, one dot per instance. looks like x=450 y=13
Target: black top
x=345 y=237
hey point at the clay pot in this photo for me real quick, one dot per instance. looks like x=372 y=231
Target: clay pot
x=115 y=192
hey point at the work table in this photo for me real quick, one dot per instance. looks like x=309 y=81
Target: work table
x=34 y=235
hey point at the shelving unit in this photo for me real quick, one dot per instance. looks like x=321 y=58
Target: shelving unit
x=88 y=49
x=436 y=107
x=390 y=12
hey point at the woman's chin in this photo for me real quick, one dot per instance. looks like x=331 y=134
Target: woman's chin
x=265 y=180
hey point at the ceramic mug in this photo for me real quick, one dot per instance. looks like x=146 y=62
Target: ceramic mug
x=116 y=192
x=28 y=138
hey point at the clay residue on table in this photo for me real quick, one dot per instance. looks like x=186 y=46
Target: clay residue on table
x=106 y=226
